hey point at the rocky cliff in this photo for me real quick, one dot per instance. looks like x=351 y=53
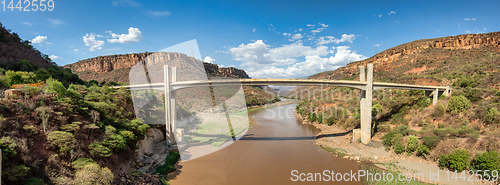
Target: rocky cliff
x=423 y=56
x=116 y=67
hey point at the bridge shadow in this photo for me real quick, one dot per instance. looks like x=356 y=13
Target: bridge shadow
x=249 y=137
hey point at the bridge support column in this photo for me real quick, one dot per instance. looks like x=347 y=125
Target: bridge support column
x=168 y=112
x=366 y=107
x=356 y=133
x=173 y=96
x=435 y=95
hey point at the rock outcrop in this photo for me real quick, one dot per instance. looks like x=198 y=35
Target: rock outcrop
x=384 y=60
x=116 y=67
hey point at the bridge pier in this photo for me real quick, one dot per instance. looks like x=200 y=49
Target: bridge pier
x=366 y=106
x=170 y=109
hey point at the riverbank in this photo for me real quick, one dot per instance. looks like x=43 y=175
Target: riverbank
x=340 y=140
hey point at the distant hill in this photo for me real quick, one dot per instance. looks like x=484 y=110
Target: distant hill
x=431 y=61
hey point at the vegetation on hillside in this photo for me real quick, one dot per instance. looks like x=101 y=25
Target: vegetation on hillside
x=407 y=122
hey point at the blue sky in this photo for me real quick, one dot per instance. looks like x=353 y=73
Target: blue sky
x=268 y=39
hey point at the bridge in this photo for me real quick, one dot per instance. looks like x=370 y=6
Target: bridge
x=365 y=85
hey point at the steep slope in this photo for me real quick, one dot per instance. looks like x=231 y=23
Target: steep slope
x=427 y=61
x=13 y=49
x=468 y=119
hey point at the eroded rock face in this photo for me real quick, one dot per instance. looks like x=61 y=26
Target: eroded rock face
x=116 y=68
x=152 y=151
x=383 y=60
x=107 y=63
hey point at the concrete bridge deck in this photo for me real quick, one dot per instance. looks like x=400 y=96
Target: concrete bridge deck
x=365 y=85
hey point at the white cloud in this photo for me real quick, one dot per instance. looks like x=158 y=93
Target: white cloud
x=311 y=25
x=484 y=29
x=323 y=27
x=312 y=64
x=396 y=21
x=287 y=34
x=53 y=57
x=55 y=22
x=392 y=12
x=377 y=45
x=297 y=36
x=39 y=39
x=380 y=15
x=27 y=23
x=259 y=53
x=330 y=39
x=91 y=41
x=209 y=60
x=157 y=14
x=469 y=19
x=129 y=3
x=253 y=30
x=134 y=35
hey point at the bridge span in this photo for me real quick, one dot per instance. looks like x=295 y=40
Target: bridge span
x=365 y=85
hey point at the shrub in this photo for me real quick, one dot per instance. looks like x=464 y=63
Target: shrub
x=128 y=135
x=492 y=116
x=399 y=147
x=487 y=161
x=30 y=90
x=34 y=181
x=438 y=110
x=431 y=141
x=458 y=160
x=30 y=129
x=65 y=141
x=422 y=150
x=312 y=117
x=331 y=120
x=81 y=162
x=115 y=142
x=320 y=118
x=43 y=114
x=70 y=127
x=402 y=129
x=93 y=174
x=458 y=104
x=169 y=164
x=17 y=173
x=377 y=110
x=73 y=94
x=55 y=87
x=8 y=147
x=412 y=144
x=98 y=150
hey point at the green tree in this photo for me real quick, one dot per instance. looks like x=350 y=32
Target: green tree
x=458 y=104
x=487 y=162
x=422 y=150
x=492 y=116
x=412 y=144
x=458 y=160
x=55 y=87
x=64 y=141
x=20 y=77
x=43 y=74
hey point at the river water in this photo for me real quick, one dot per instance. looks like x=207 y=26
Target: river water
x=267 y=154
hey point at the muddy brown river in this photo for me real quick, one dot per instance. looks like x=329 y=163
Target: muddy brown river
x=275 y=146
